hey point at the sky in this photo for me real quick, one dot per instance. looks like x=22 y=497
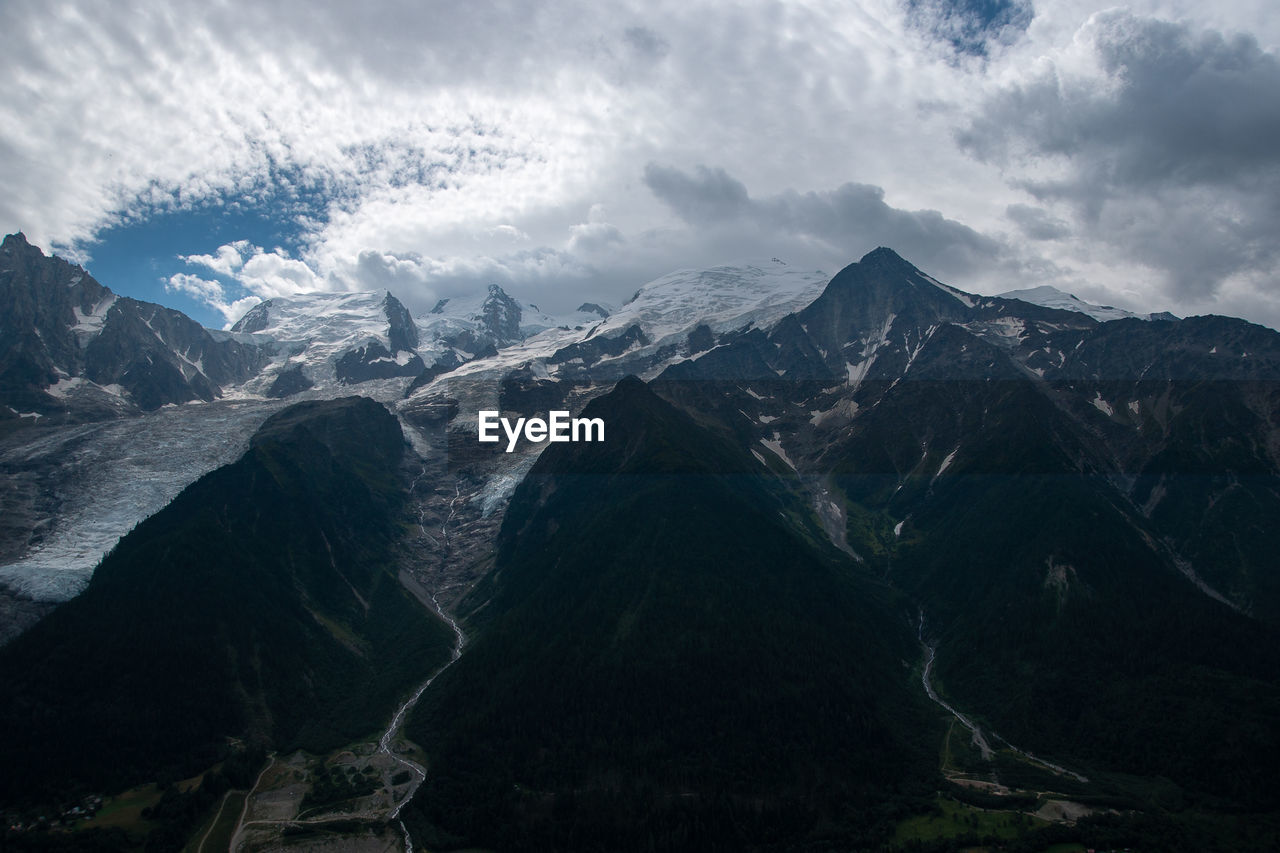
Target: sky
x=208 y=155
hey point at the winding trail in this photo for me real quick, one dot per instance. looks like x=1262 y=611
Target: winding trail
x=217 y=817
x=244 y=811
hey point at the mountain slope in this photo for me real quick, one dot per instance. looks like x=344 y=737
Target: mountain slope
x=70 y=349
x=1037 y=480
x=666 y=655
x=262 y=604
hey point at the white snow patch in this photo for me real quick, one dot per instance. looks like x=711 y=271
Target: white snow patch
x=89 y=325
x=968 y=300
x=1102 y=405
x=776 y=446
x=858 y=372
x=64 y=386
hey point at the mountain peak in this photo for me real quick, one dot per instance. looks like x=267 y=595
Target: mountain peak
x=632 y=384
x=883 y=256
x=402 y=333
x=15 y=241
x=502 y=316
x=1051 y=297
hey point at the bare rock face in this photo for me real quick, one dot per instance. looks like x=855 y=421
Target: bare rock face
x=72 y=350
x=502 y=316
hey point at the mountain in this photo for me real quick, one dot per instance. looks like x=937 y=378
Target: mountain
x=462 y=330
x=70 y=349
x=857 y=548
x=330 y=340
x=262 y=605
x=666 y=321
x=1039 y=482
x=1051 y=297
x=669 y=653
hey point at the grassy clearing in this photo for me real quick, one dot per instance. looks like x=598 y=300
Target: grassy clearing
x=952 y=819
x=124 y=810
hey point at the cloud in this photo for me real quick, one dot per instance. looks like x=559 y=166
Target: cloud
x=1164 y=148
x=229 y=259
x=708 y=195
x=428 y=147
x=264 y=274
x=842 y=222
x=211 y=293
x=251 y=274
x=594 y=235
x=1037 y=223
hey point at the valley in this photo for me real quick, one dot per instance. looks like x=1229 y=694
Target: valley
x=707 y=630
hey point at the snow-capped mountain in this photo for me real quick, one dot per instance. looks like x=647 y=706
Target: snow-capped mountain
x=751 y=321
x=326 y=340
x=71 y=350
x=459 y=330
x=731 y=298
x=667 y=319
x=878 y=466
x=72 y=492
x=1051 y=297
x=493 y=318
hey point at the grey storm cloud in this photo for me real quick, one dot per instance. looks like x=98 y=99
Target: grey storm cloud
x=852 y=217
x=1037 y=223
x=1174 y=158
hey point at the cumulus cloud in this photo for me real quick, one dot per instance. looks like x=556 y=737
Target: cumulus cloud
x=590 y=237
x=228 y=260
x=262 y=273
x=211 y=293
x=431 y=147
x=251 y=274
